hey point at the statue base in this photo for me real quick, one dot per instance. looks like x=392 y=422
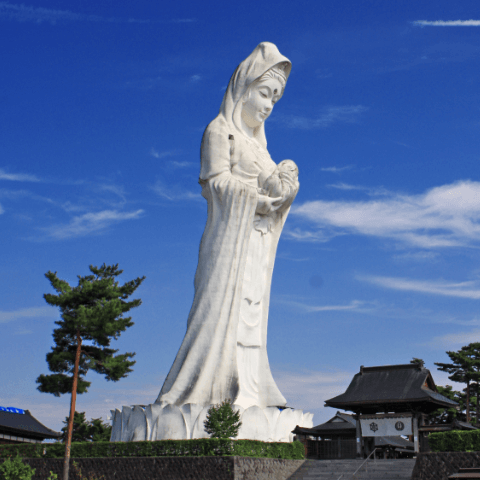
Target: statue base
x=156 y=422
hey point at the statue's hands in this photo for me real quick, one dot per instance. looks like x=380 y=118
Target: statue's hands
x=268 y=205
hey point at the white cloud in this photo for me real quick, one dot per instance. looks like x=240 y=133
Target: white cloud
x=372 y=191
x=181 y=164
x=169 y=153
x=353 y=306
x=174 y=192
x=195 y=78
x=336 y=169
x=445 y=216
x=90 y=223
x=447 y=23
x=33 y=312
x=308 y=390
x=328 y=116
x=451 y=341
x=24 y=13
x=447 y=289
x=17 y=177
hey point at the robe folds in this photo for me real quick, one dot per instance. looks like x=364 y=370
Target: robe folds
x=205 y=370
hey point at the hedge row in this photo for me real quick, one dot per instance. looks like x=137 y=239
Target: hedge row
x=455 y=441
x=163 y=448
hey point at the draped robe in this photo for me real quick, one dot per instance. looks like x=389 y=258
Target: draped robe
x=205 y=370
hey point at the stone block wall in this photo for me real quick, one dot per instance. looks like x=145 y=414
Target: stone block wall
x=169 y=468
x=438 y=466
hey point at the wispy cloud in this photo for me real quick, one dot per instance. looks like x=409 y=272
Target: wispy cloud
x=372 y=191
x=1 y=210
x=90 y=223
x=25 y=13
x=468 y=289
x=445 y=216
x=195 y=78
x=327 y=117
x=174 y=192
x=309 y=389
x=168 y=153
x=18 y=177
x=33 y=312
x=354 y=306
x=447 y=23
x=336 y=169
x=451 y=340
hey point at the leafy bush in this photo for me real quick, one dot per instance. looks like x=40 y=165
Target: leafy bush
x=163 y=448
x=222 y=421
x=16 y=470
x=455 y=441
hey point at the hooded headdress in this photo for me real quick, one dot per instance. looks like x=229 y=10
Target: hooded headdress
x=265 y=57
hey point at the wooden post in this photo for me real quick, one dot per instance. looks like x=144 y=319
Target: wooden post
x=359 y=437
x=415 y=433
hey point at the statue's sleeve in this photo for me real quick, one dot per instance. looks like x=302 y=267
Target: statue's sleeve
x=215 y=151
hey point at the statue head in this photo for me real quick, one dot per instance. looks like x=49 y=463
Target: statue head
x=264 y=66
x=261 y=96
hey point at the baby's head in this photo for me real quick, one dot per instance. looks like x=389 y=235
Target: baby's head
x=288 y=167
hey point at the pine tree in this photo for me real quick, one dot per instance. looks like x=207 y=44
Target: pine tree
x=465 y=368
x=87 y=431
x=92 y=315
x=222 y=421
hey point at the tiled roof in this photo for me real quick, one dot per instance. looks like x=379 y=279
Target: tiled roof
x=24 y=425
x=390 y=384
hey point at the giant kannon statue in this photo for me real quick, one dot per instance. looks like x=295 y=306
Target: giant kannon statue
x=224 y=352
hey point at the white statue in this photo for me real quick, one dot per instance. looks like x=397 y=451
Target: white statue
x=224 y=352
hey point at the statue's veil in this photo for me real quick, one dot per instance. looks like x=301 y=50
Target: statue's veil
x=265 y=57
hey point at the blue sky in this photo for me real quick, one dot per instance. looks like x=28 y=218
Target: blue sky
x=103 y=106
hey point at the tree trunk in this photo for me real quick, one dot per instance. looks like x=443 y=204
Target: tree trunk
x=476 y=412
x=66 y=462
x=468 y=401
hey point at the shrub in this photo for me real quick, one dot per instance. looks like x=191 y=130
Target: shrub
x=164 y=448
x=16 y=470
x=455 y=441
x=222 y=421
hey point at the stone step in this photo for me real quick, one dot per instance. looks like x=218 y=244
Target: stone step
x=377 y=470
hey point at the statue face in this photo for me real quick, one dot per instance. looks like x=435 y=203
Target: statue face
x=263 y=96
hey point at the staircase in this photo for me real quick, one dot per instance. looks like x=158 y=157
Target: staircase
x=400 y=469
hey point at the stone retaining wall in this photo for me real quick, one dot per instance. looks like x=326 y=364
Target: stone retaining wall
x=169 y=468
x=439 y=465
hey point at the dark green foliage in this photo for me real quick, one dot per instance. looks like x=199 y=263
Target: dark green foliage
x=99 y=431
x=83 y=431
x=16 y=470
x=418 y=361
x=455 y=441
x=465 y=368
x=164 y=448
x=222 y=421
x=93 y=310
x=448 y=415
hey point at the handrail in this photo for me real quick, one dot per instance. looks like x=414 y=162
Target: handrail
x=363 y=463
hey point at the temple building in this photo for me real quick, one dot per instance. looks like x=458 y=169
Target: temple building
x=20 y=426
x=390 y=405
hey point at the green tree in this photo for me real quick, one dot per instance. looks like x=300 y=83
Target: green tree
x=418 y=361
x=87 y=431
x=100 y=431
x=448 y=415
x=222 y=421
x=465 y=368
x=92 y=315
